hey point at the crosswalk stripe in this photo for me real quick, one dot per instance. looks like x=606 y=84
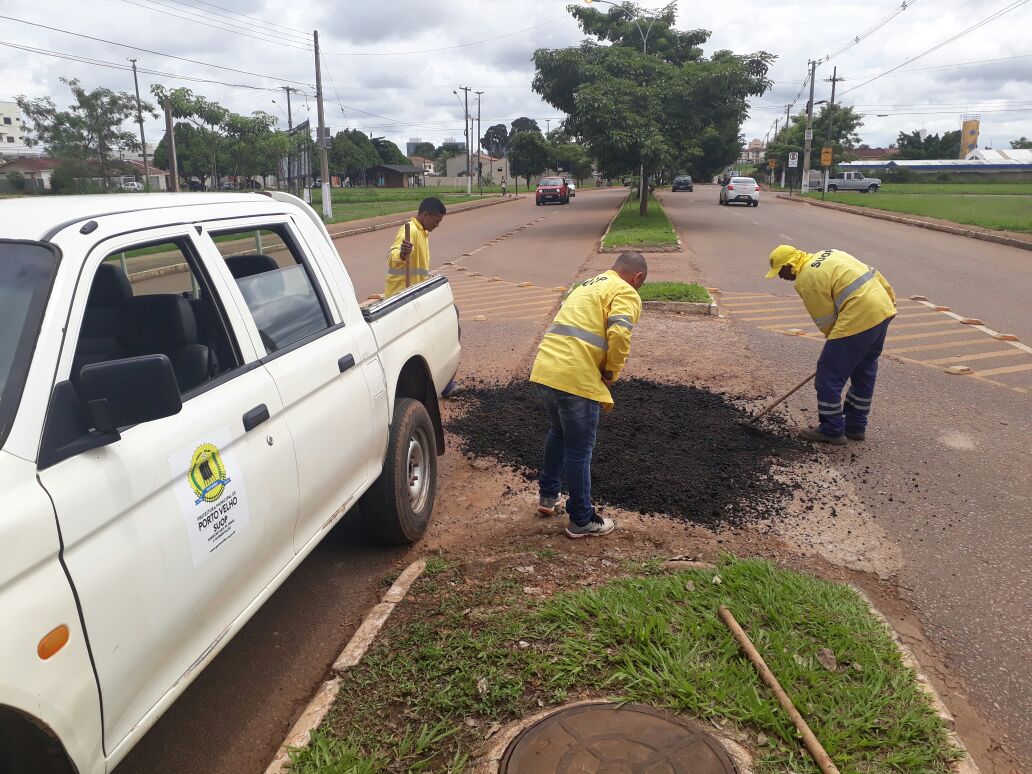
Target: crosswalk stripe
x=937 y=335
x=1006 y=370
x=931 y=324
x=775 y=317
x=977 y=356
x=542 y=304
x=793 y=308
x=926 y=347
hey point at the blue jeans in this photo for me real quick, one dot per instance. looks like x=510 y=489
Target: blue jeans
x=568 y=446
x=853 y=359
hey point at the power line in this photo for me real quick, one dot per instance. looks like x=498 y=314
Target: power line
x=946 y=66
x=155 y=53
x=937 y=46
x=869 y=31
x=334 y=87
x=445 y=48
x=237 y=15
x=251 y=34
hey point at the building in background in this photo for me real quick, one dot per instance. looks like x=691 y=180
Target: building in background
x=35 y=173
x=450 y=143
x=425 y=163
x=752 y=153
x=410 y=146
x=12 y=133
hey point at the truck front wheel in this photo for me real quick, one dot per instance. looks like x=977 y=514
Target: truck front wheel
x=832 y=188
x=397 y=507
x=872 y=188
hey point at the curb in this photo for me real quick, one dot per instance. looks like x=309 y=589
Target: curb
x=965 y=765
x=883 y=215
x=391 y=224
x=314 y=712
x=682 y=307
x=612 y=220
x=638 y=248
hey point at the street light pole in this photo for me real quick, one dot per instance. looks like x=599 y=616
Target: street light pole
x=143 y=137
x=804 y=184
x=465 y=131
x=324 y=162
x=480 y=176
x=831 y=120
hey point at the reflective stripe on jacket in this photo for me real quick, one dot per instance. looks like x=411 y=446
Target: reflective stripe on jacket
x=419 y=259
x=844 y=296
x=590 y=334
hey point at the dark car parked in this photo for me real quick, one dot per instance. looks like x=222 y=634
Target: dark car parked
x=683 y=183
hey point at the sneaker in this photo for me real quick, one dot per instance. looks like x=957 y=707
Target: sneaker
x=549 y=506
x=815 y=435
x=451 y=390
x=597 y=527
x=856 y=435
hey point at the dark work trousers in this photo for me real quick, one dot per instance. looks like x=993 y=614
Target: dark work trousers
x=573 y=423
x=853 y=359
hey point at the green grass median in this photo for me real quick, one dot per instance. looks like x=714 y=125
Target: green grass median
x=634 y=231
x=473 y=647
x=359 y=203
x=675 y=291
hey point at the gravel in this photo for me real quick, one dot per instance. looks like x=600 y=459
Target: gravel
x=669 y=449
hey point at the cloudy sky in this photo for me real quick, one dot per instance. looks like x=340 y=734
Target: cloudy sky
x=391 y=66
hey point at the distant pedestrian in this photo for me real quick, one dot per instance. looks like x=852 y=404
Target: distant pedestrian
x=409 y=260
x=503 y=187
x=582 y=354
x=853 y=305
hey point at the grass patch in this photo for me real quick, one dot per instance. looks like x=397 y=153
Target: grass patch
x=631 y=230
x=998 y=211
x=674 y=291
x=469 y=649
x=982 y=189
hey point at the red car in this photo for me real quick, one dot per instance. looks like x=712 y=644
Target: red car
x=552 y=189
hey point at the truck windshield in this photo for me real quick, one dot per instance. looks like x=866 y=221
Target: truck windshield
x=26 y=273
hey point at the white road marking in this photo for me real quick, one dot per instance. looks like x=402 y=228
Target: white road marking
x=786 y=236
x=757 y=223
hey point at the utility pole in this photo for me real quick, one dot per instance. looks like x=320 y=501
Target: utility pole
x=170 y=140
x=465 y=130
x=784 y=167
x=324 y=162
x=831 y=119
x=804 y=184
x=290 y=136
x=480 y=176
x=143 y=138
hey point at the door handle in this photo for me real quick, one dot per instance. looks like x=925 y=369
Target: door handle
x=255 y=417
x=345 y=363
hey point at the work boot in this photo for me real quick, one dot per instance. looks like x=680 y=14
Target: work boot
x=815 y=435
x=549 y=506
x=451 y=390
x=856 y=435
x=597 y=527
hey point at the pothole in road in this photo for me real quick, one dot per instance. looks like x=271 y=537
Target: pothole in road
x=670 y=449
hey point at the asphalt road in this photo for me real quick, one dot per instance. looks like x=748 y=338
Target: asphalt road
x=233 y=717
x=964 y=529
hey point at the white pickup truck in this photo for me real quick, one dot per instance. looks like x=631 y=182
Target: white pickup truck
x=190 y=398
x=850 y=181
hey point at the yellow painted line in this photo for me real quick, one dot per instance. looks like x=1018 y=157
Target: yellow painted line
x=503 y=303
x=926 y=347
x=723 y=294
x=930 y=324
x=773 y=317
x=977 y=356
x=467 y=310
x=911 y=315
x=793 y=308
x=1006 y=370
x=504 y=292
x=782 y=326
x=754 y=305
x=912 y=336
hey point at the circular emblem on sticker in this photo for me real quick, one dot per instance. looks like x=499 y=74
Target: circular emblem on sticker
x=207 y=475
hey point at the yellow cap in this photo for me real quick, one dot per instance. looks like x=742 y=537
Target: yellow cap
x=779 y=256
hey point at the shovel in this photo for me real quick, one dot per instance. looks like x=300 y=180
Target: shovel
x=408 y=276
x=781 y=400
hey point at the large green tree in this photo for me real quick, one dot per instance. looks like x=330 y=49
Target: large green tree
x=576 y=156
x=192 y=154
x=932 y=146
x=523 y=124
x=496 y=140
x=642 y=105
x=208 y=117
x=531 y=154
x=845 y=122
x=388 y=152
x=91 y=130
x=1022 y=143
x=352 y=153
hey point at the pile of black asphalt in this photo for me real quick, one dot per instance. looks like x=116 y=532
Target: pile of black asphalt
x=669 y=449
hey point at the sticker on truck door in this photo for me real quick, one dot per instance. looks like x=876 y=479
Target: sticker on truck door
x=210 y=489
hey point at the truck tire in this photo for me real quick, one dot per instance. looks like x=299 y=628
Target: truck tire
x=872 y=188
x=832 y=188
x=396 y=509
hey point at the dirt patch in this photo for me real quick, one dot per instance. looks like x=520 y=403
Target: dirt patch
x=681 y=450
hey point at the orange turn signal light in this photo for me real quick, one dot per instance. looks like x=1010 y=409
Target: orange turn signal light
x=52 y=642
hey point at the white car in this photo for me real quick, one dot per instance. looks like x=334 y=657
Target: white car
x=133 y=186
x=740 y=189
x=192 y=398
x=573 y=188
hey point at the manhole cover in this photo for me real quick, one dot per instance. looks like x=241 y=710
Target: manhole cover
x=613 y=739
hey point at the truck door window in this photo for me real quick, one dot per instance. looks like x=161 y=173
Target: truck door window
x=152 y=299
x=276 y=283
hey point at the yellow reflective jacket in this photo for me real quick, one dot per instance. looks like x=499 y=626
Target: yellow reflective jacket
x=419 y=259
x=844 y=296
x=590 y=334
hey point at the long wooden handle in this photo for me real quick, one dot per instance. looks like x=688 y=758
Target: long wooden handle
x=783 y=398
x=819 y=754
x=408 y=276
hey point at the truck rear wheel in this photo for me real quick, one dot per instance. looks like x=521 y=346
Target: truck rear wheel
x=397 y=507
x=832 y=188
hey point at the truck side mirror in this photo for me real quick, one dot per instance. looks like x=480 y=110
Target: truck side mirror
x=125 y=392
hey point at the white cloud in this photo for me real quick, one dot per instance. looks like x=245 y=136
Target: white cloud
x=413 y=91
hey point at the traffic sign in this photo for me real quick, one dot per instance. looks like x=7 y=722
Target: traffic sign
x=793 y=159
x=826 y=156
x=808 y=135
x=771 y=163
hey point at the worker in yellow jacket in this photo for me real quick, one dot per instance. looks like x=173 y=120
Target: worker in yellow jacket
x=410 y=259
x=853 y=305
x=582 y=354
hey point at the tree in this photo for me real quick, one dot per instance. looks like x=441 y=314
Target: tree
x=424 y=149
x=639 y=112
x=1022 y=143
x=192 y=158
x=496 y=140
x=209 y=118
x=388 y=152
x=16 y=180
x=523 y=124
x=577 y=156
x=845 y=122
x=352 y=153
x=92 y=129
x=912 y=146
x=530 y=154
